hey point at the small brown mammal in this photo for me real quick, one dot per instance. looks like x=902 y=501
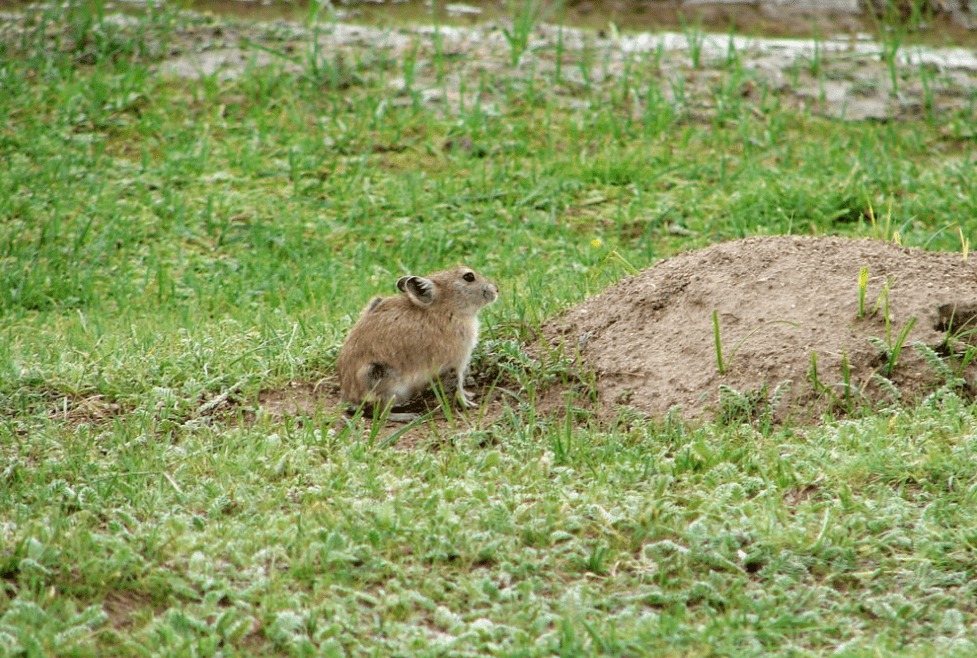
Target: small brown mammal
x=401 y=344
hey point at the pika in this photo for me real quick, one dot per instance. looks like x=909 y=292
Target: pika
x=401 y=344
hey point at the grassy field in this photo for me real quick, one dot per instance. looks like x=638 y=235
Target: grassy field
x=171 y=247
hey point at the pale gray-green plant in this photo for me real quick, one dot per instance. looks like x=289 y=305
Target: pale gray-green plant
x=758 y=407
x=958 y=345
x=949 y=375
x=887 y=385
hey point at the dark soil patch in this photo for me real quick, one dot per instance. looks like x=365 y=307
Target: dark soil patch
x=307 y=400
x=649 y=339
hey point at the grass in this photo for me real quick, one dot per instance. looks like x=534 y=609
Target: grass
x=724 y=357
x=171 y=247
x=527 y=17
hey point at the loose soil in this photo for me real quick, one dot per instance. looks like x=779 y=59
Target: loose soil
x=780 y=300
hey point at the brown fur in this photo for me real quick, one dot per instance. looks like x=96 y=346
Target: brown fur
x=401 y=344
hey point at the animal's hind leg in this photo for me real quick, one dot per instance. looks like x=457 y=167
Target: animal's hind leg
x=375 y=373
x=375 y=376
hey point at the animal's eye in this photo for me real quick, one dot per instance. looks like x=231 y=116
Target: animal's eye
x=469 y=277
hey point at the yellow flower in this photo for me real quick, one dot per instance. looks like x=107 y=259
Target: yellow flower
x=596 y=242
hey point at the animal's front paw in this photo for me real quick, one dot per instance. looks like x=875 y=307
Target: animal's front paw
x=465 y=398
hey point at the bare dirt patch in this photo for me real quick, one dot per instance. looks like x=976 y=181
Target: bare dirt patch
x=307 y=400
x=300 y=398
x=650 y=341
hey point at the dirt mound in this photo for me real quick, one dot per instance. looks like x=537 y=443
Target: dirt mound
x=781 y=303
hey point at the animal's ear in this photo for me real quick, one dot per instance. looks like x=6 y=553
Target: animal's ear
x=418 y=289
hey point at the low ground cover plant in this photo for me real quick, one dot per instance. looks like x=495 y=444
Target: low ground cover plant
x=177 y=242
